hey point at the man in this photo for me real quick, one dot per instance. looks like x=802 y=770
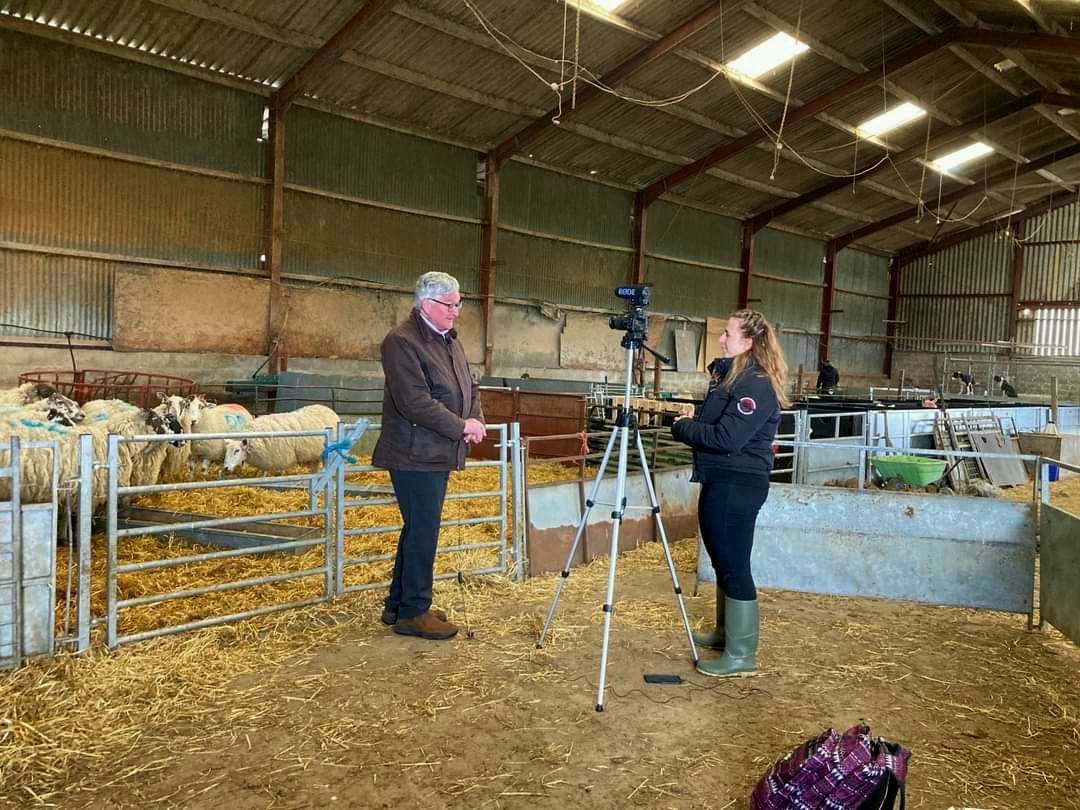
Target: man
x=828 y=378
x=431 y=411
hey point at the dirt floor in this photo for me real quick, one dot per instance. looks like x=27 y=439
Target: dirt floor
x=326 y=708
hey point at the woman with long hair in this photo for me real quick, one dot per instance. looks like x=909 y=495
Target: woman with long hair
x=732 y=439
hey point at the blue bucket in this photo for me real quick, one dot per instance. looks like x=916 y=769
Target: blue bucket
x=1053 y=472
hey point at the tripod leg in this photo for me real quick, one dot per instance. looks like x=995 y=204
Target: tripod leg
x=616 y=523
x=664 y=542
x=589 y=503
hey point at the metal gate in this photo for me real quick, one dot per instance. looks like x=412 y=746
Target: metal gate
x=329 y=497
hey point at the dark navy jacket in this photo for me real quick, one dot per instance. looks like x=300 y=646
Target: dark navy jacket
x=732 y=435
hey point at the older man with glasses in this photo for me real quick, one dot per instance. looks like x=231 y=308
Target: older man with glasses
x=431 y=412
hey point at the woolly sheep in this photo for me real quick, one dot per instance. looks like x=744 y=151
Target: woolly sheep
x=187 y=411
x=137 y=461
x=228 y=418
x=55 y=408
x=273 y=454
x=26 y=393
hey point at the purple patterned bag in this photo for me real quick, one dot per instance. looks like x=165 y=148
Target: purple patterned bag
x=848 y=771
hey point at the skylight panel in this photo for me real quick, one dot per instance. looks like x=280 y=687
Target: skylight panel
x=891 y=119
x=774 y=51
x=961 y=156
x=607 y=5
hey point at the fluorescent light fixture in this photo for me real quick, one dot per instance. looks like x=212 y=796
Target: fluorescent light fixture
x=891 y=119
x=607 y=5
x=774 y=51
x=1003 y=65
x=961 y=156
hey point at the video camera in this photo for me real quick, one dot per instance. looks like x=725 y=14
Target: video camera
x=635 y=322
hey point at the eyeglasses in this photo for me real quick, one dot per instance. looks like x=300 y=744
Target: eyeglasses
x=447 y=304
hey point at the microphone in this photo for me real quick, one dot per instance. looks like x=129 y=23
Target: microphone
x=450 y=336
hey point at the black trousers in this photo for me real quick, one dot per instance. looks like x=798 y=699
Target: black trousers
x=727 y=514
x=420 y=498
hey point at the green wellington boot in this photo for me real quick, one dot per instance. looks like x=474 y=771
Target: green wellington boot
x=741 y=641
x=713 y=639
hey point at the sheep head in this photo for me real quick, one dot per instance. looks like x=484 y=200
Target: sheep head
x=235 y=454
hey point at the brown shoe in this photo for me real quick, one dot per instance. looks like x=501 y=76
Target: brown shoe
x=389 y=617
x=426 y=625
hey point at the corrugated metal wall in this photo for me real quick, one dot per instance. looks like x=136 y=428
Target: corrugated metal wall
x=406 y=205
x=791 y=306
x=862 y=317
x=73 y=200
x=980 y=269
x=692 y=260
x=78 y=96
x=544 y=217
x=1052 y=272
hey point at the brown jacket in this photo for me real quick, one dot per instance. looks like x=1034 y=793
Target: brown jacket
x=428 y=395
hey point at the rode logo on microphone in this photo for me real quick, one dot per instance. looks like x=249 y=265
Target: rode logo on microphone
x=746 y=406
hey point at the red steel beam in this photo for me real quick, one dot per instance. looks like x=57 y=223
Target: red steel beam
x=828 y=296
x=648 y=53
x=808 y=110
x=937 y=141
x=1051 y=203
x=1001 y=177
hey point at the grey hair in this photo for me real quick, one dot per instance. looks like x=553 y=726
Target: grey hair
x=435 y=285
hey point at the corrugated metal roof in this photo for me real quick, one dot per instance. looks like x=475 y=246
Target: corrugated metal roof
x=431 y=66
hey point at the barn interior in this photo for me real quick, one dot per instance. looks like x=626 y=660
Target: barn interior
x=228 y=203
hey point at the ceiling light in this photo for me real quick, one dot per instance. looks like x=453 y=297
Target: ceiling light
x=607 y=5
x=891 y=119
x=1003 y=65
x=774 y=51
x=961 y=156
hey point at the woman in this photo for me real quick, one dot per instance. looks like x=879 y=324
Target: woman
x=732 y=440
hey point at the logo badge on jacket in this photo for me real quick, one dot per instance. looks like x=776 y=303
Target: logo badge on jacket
x=746 y=406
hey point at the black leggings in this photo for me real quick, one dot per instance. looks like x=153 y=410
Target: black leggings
x=727 y=512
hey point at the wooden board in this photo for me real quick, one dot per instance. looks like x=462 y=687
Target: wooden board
x=710 y=346
x=686 y=351
x=1002 y=472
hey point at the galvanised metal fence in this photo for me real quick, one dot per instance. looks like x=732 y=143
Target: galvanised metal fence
x=329 y=496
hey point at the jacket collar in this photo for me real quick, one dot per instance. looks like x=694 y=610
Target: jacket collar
x=426 y=332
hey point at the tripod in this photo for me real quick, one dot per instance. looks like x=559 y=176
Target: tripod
x=625 y=424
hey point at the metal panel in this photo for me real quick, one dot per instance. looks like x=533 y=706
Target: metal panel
x=777 y=253
x=859 y=316
x=560 y=205
x=982 y=265
x=795 y=306
x=958 y=319
x=58 y=198
x=35 y=581
x=862 y=272
x=559 y=272
x=335 y=154
x=857 y=356
x=335 y=238
x=970 y=552
x=55 y=293
x=1052 y=272
x=79 y=96
x=680 y=232
x=692 y=290
x=1059 y=570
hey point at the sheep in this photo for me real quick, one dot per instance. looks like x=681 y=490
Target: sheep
x=139 y=463
x=273 y=454
x=26 y=393
x=226 y=418
x=55 y=408
x=187 y=411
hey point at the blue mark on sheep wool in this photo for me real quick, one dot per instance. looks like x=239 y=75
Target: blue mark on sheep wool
x=234 y=422
x=32 y=423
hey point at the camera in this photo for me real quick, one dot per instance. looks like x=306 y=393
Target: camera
x=635 y=322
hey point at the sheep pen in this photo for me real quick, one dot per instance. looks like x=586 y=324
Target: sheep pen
x=302 y=702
